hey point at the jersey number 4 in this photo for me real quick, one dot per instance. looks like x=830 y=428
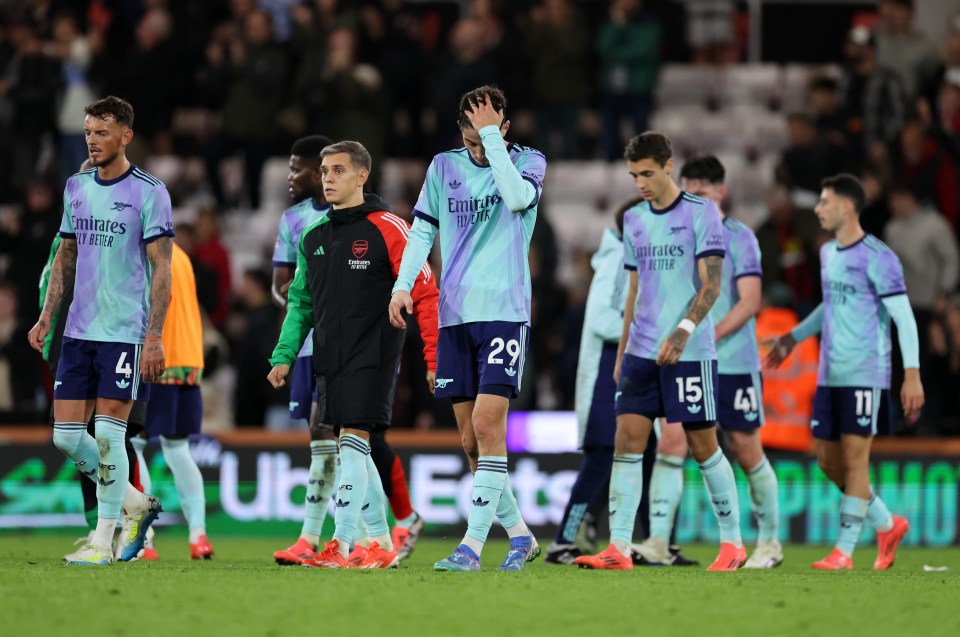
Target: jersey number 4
x=126 y=370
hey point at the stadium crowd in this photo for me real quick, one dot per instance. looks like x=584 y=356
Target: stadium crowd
x=213 y=80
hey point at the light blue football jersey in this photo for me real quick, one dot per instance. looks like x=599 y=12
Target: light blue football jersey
x=112 y=222
x=663 y=246
x=739 y=352
x=483 y=244
x=292 y=223
x=855 y=339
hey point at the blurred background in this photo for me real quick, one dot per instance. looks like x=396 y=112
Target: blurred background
x=784 y=93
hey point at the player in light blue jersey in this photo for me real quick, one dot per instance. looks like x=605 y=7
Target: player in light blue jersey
x=667 y=361
x=115 y=253
x=863 y=289
x=740 y=389
x=482 y=199
x=305 y=182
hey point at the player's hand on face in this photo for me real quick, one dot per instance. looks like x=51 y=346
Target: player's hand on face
x=481 y=113
x=911 y=394
x=400 y=301
x=38 y=333
x=278 y=376
x=431 y=380
x=672 y=347
x=780 y=348
x=152 y=360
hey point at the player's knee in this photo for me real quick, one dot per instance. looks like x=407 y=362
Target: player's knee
x=702 y=447
x=674 y=444
x=628 y=440
x=470 y=448
x=66 y=442
x=318 y=432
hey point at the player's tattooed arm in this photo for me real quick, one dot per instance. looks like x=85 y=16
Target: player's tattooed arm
x=152 y=360
x=710 y=273
x=62 y=276
x=711 y=269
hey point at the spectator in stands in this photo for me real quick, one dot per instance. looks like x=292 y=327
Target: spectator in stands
x=390 y=39
x=556 y=45
x=875 y=213
x=628 y=46
x=347 y=99
x=789 y=244
x=19 y=365
x=75 y=53
x=253 y=398
x=468 y=65
x=136 y=77
x=902 y=48
x=873 y=97
x=947 y=125
x=948 y=67
x=808 y=160
x=249 y=72
x=32 y=88
x=25 y=239
x=211 y=252
x=927 y=167
x=931 y=268
x=826 y=108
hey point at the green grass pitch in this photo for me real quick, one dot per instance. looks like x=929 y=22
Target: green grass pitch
x=242 y=592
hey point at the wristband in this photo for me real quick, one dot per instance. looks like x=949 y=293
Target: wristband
x=687 y=326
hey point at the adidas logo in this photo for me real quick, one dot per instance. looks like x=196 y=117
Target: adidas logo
x=319 y=251
x=454 y=184
x=511 y=372
x=751 y=416
x=846 y=525
x=723 y=514
x=341 y=503
x=105 y=483
x=365 y=507
x=612 y=512
x=863 y=421
x=694 y=409
x=88 y=473
x=123 y=384
x=480 y=502
x=314 y=499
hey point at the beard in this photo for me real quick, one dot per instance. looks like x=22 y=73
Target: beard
x=105 y=160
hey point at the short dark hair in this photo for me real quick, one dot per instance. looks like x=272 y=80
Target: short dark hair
x=622 y=211
x=849 y=187
x=497 y=99
x=120 y=110
x=310 y=147
x=704 y=168
x=649 y=145
x=359 y=155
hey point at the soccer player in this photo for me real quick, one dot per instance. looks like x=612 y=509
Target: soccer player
x=51 y=354
x=863 y=289
x=666 y=367
x=347 y=263
x=740 y=395
x=482 y=199
x=306 y=189
x=116 y=243
x=175 y=411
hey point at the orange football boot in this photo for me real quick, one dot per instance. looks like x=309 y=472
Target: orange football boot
x=888 y=541
x=610 y=559
x=296 y=554
x=836 y=561
x=730 y=558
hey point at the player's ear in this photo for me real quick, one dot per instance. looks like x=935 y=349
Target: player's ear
x=504 y=127
x=668 y=166
x=127 y=136
x=363 y=176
